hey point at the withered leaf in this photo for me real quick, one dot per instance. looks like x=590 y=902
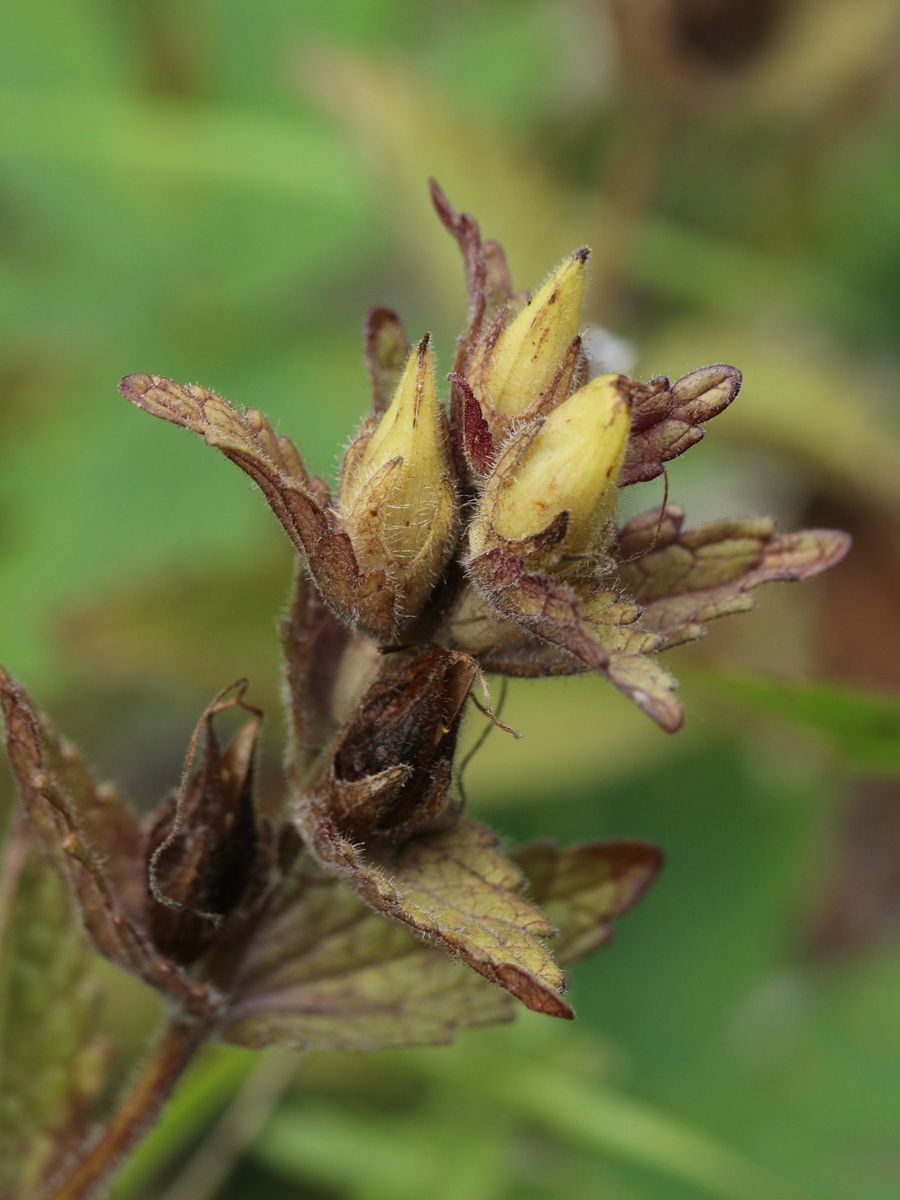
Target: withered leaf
x=50 y=792
x=619 y=628
x=488 y=280
x=489 y=289
x=666 y=419
x=386 y=349
x=364 y=600
x=583 y=888
x=325 y=971
x=595 y=627
x=455 y=889
x=536 y=604
x=51 y=1063
x=313 y=642
x=683 y=578
x=106 y=822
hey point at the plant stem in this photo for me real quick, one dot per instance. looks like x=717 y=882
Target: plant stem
x=212 y=1163
x=138 y=1108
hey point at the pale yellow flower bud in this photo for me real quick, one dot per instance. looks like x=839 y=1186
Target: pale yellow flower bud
x=399 y=503
x=571 y=464
x=514 y=372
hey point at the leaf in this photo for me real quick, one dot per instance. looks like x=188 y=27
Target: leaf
x=313 y=643
x=455 y=889
x=51 y=1065
x=365 y=600
x=489 y=289
x=326 y=971
x=488 y=282
x=666 y=419
x=386 y=348
x=55 y=790
x=596 y=629
x=617 y=625
x=796 y=403
x=682 y=579
x=583 y=888
x=540 y=607
x=862 y=727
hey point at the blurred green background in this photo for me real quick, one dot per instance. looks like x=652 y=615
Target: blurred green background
x=217 y=191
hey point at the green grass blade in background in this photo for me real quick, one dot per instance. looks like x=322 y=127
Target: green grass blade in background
x=862 y=728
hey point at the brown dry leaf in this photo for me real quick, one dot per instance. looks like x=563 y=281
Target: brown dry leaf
x=391 y=765
x=538 y=606
x=313 y=642
x=488 y=281
x=588 y=627
x=682 y=579
x=365 y=600
x=325 y=971
x=585 y=887
x=54 y=789
x=666 y=419
x=386 y=348
x=455 y=889
x=617 y=625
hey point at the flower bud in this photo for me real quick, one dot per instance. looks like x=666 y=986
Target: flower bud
x=569 y=463
x=512 y=373
x=399 y=502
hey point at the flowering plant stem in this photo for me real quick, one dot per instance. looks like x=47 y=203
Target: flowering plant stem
x=480 y=538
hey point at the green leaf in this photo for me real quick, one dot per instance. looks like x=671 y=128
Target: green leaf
x=260 y=153
x=199 y=1098
x=51 y=1067
x=863 y=728
x=396 y=1157
x=523 y=1074
x=612 y=1123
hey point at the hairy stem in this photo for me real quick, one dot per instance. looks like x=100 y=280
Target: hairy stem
x=138 y=1108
